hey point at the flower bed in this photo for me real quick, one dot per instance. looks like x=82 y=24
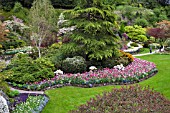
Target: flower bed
x=32 y=103
x=137 y=71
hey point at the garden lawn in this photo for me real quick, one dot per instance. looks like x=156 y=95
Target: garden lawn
x=65 y=99
x=161 y=81
x=145 y=50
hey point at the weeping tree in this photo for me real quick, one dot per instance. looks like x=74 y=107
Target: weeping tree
x=42 y=16
x=94 y=34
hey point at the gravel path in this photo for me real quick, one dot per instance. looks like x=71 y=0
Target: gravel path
x=147 y=53
x=22 y=91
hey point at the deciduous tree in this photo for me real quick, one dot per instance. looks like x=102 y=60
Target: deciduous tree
x=41 y=21
x=161 y=32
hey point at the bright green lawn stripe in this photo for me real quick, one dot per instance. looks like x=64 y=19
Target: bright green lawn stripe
x=161 y=81
x=65 y=99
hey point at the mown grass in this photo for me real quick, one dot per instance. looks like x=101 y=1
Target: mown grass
x=161 y=81
x=65 y=99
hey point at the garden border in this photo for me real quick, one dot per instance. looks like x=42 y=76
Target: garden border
x=93 y=85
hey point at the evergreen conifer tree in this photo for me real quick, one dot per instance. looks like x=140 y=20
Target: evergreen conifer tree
x=94 y=36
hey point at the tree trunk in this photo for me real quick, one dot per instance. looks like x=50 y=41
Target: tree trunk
x=39 y=52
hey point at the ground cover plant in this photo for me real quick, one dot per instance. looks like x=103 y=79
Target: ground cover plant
x=126 y=99
x=30 y=103
x=71 y=97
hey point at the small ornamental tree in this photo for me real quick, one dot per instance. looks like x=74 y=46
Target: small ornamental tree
x=41 y=21
x=94 y=36
x=165 y=25
x=158 y=33
x=161 y=32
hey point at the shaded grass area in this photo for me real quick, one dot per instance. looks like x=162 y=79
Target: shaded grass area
x=145 y=50
x=65 y=99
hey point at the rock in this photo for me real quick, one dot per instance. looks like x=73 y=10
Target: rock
x=3 y=105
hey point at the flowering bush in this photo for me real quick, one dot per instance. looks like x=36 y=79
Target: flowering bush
x=128 y=55
x=134 y=72
x=74 y=65
x=133 y=99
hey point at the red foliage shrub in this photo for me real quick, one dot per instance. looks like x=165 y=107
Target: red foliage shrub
x=133 y=99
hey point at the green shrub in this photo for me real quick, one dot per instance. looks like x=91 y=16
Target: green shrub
x=13 y=93
x=154 y=45
x=157 y=11
x=167 y=43
x=127 y=100
x=122 y=60
x=24 y=69
x=146 y=44
x=136 y=33
x=162 y=17
x=3 y=85
x=76 y=64
x=141 y=22
x=167 y=48
x=134 y=44
x=96 y=63
x=56 y=45
x=109 y=63
x=13 y=41
x=56 y=56
x=44 y=63
x=20 y=11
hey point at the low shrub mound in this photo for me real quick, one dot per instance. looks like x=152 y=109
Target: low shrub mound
x=35 y=70
x=133 y=99
x=134 y=44
x=76 y=64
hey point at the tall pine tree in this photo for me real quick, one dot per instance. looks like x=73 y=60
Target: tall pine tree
x=94 y=36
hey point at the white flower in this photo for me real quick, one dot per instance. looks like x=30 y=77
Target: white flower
x=92 y=68
x=119 y=67
x=58 y=72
